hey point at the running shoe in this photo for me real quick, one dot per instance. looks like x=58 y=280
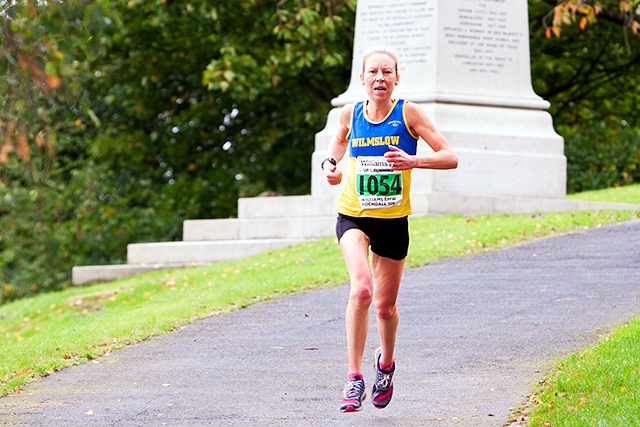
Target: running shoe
x=383 y=386
x=354 y=393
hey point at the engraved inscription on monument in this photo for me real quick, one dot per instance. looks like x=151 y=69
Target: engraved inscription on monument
x=460 y=51
x=407 y=26
x=481 y=38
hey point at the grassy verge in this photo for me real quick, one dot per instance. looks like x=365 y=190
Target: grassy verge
x=626 y=194
x=599 y=387
x=49 y=332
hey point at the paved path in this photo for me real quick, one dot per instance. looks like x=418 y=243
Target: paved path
x=475 y=334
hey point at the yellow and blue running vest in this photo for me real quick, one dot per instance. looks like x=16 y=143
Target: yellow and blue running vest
x=373 y=189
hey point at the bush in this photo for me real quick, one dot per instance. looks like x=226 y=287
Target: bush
x=34 y=252
x=77 y=217
x=600 y=157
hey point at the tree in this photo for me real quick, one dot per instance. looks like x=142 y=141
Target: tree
x=42 y=61
x=46 y=49
x=172 y=110
x=591 y=76
x=625 y=13
x=203 y=102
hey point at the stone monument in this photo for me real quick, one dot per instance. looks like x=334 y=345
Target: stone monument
x=467 y=64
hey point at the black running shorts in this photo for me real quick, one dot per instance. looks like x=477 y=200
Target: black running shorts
x=388 y=238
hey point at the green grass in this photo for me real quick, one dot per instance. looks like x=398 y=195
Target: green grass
x=599 y=387
x=51 y=331
x=626 y=194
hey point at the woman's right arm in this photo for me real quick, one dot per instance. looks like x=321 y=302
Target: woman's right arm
x=338 y=147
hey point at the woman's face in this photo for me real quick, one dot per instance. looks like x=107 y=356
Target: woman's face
x=379 y=76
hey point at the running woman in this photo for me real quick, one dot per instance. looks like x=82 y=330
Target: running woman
x=379 y=136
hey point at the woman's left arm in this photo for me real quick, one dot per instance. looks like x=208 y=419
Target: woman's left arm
x=443 y=156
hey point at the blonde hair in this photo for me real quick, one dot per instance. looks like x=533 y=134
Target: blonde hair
x=391 y=53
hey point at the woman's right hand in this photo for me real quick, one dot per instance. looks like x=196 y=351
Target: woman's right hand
x=331 y=172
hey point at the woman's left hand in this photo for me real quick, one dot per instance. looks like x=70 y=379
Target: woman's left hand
x=398 y=159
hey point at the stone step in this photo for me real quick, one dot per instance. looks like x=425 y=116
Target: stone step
x=258 y=228
x=210 y=229
x=286 y=206
x=442 y=203
x=288 y=228
x=87 y=274
x=145 y=257
x=201 y=252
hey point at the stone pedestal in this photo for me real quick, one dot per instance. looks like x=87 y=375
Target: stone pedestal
x=467 y=64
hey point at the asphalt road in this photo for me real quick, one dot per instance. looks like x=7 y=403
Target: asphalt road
x=476 y=333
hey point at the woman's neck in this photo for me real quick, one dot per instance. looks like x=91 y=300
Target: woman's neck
x=377 y=111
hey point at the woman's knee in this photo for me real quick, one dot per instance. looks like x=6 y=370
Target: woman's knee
x=385 y=309
x=361 y=293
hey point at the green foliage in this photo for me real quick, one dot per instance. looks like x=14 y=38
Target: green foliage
x=44 y=52
x=624 y=13
x=166 y=111
x=592 y=78
x=197 y=110
x=47 y=49
x=225 y=115
x=599 y=157
x=39 y=227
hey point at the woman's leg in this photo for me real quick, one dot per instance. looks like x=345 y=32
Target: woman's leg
x=355 y=250
x=387 y=274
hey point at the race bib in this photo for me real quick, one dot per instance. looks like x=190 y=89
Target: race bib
x=377 y=185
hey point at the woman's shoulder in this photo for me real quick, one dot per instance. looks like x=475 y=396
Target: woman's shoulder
x=345 y=114
x=346 y=111
x=413 y=110
x=406 y=103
